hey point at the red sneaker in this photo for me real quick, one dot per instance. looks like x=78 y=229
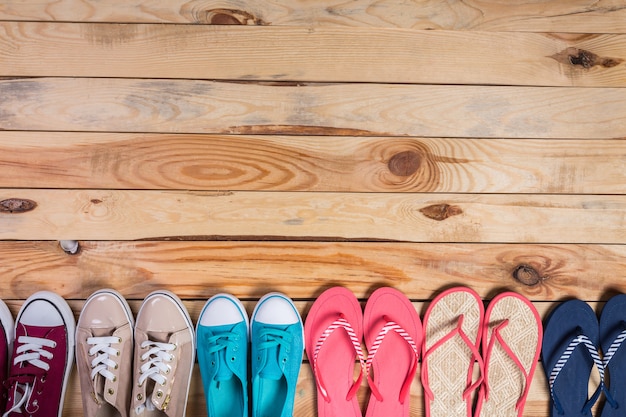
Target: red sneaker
x=43 y=354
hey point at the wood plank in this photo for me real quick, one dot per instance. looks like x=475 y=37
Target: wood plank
x=193 y=106
x=414 y=217
x=305 y=54
x=36 y=214
x=302 y=270
x=306 y=163
x=607 y=16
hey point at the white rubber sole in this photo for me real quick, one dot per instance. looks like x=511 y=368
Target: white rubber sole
x=259 y=304
x=235 y=301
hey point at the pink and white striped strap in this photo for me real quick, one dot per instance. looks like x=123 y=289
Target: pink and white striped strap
x=340 y=323
x=372 y=350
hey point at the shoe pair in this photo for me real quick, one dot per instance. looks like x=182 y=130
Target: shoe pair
x=41 y=348
x=504 y=341
x=272 y=339
x=392 y=331
x=134 y=368
x=575 y=341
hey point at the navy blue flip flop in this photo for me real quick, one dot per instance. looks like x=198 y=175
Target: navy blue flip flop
x=569 y=351
x=612 y=336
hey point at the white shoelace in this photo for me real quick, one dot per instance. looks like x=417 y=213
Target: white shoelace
x=31 y=350
x=157 y=357
x=102 y=363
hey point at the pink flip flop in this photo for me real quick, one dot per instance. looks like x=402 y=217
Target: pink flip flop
x=512 y=335
x=333 y=330
x=452 y=332
x=393 y=335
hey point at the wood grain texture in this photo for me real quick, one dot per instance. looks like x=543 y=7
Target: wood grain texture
x=302 y=270
x=604 y=16
x=207 y=146
x=306 y=54
x=310 y=163
x=415 y=217
x=193 y=106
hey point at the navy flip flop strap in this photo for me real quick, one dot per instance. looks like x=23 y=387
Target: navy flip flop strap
x=608 y=355
x=565 y=356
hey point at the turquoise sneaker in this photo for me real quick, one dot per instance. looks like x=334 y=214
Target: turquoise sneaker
x=277 y=345
x=222 y=335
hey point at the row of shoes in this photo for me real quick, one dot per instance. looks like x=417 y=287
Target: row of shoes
x=142 y=366
x=457 y=337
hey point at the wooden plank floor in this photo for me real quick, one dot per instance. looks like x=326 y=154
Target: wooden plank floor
x=246 y=147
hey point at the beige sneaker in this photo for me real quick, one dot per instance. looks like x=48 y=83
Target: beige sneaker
x=104 y=354
x=164 y=357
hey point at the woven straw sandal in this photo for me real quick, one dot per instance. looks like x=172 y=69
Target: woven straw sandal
x=452 y=333
x=511 y=340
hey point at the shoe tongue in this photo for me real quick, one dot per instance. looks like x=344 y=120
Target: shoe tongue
x=223 y=360
x=98 y=388
x=162 y=337
x=223 y=371
x=272 y=370
x=102 y=332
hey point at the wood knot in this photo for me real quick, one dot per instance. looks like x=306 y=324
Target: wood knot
x=585 y=59
x=404 y=164
x=232 y=17
x=527 y=275
x=440 y=212
x=16 y=205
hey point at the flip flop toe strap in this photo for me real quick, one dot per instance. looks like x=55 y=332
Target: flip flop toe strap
x=560 y=363
x=497 y=337
x=608 y=355
x=340 y=323
x=457 y=331
x=390 y=326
